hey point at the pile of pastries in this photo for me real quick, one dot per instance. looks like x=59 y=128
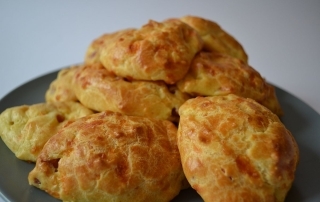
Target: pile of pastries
x=153 y=110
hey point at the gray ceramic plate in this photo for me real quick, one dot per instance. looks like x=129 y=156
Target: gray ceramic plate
x=300 y=119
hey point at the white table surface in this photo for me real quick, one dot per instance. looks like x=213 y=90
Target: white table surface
x=282 y=38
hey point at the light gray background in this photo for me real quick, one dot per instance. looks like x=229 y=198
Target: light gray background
x=282 y=38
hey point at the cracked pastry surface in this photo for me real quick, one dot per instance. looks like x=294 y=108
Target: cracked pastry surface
x=234 y=149
x=100 y=90
x=111 y=157
x=25 y=129
x=60 y=89
x=213 y=73
x=156 y=51
x=215 y=38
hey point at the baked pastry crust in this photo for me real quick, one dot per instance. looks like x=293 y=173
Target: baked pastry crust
x=156 y=51
x=215 y=38
x=25 y=129
x=234 y=149
x=101 y=90
x=111 y=157
x=60 y=89
x=213 y=73
x=94 y=50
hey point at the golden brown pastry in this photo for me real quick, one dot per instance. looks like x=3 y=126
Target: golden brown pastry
x=111 y=157
x=94 y=50
x=100 y=90
x=25 y=129
x=156 y=51
x=213 y=73
x=234 y=149
x=60 y=89
x=215 y=38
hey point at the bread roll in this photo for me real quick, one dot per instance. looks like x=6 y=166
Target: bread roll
x=111 y=157
x=213 y=73
x=215 y=38
x=60 y=89
x=25 y=129
x=156 y=51
x=94 y=50
x=101 y=90
x=234 y=149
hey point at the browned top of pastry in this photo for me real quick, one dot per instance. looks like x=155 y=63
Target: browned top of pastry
x=234 y=149
x=111 y=157
x=156 y=51
x=215 y=38
x=101 y=90
x=60 y=89
x=213 y=73
x=93 y=51
x=25 y=129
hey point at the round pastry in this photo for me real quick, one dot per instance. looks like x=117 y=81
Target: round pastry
x=215 y=38
x=100 y=90
x=94 y=50
x=234 y=149
x=60 y=89
x=213 y=73
x=111 y=157
x=156 y=51
x=25 y=129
